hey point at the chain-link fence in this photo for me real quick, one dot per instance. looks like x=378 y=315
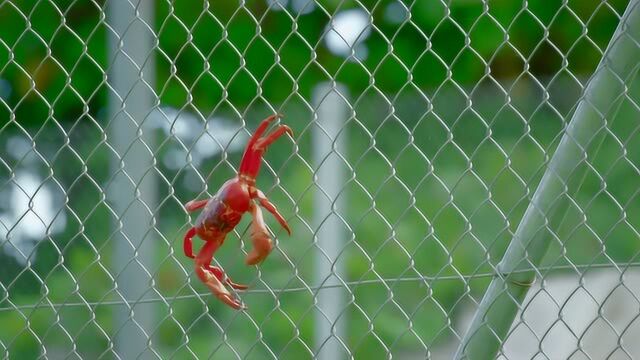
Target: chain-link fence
x=462 y=179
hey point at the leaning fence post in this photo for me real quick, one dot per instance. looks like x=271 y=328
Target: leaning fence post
x=506 y=292
x=332 y=112
x=132 y=190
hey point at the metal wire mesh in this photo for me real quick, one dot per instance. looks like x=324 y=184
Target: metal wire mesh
x=435 y=120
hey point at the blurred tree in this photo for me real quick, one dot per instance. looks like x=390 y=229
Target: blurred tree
x=212 y=54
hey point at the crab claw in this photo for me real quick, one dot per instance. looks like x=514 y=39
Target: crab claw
x=257 y=145
x=262 y=244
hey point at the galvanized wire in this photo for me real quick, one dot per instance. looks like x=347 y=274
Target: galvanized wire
x=452 y=111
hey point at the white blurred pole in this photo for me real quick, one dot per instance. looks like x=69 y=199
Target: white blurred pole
x=133 y=188
x=332 y=111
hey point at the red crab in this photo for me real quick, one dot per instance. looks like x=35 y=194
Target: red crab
x=223 y=212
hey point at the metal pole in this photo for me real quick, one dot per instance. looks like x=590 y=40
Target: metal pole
x=332 y=112
x=132 y=192
x=506 y=292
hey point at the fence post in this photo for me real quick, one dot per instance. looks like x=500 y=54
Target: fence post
x=332 y=112
x=132 y=191
x=508 y=289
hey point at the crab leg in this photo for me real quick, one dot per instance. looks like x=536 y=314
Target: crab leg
x=194 y=205
x=188 y=251
x=203 y=261
x=217 y=271
x=187 y=244
x=265 y=203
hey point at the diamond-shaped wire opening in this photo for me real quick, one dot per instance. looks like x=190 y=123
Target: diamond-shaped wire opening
x=453 y=110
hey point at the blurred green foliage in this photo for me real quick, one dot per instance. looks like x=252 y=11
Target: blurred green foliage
x=255 y=55
x=461 y=83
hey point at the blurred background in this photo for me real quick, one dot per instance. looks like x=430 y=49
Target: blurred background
x=421 y=132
